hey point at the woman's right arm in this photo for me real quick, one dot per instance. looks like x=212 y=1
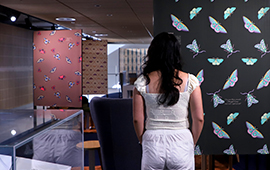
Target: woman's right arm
x=196 y=109
x=138 y=114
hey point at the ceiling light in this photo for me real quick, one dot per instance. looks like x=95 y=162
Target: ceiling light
x=13 y=132
x=65 y=19
x=13 y=18
x=101 y=35
x=60 y=28
x=97 y=5
x=109 y=15
x=87 y=36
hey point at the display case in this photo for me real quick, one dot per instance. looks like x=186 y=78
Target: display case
x=41 y=139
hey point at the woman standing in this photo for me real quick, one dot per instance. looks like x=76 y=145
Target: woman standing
x=166 y=93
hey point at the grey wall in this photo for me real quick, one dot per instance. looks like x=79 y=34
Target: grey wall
x=16 y=66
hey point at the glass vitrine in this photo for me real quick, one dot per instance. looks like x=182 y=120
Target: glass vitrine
x=41 y=139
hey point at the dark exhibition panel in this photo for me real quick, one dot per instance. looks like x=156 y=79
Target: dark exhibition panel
x=225 y=44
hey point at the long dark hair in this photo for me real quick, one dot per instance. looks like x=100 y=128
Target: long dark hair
x=164 y=55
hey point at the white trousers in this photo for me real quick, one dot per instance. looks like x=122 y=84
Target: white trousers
x=168 y=149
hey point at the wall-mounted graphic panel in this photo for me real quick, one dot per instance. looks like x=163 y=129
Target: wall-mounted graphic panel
x=57 y=68
x=95 y=79
x=226 y=44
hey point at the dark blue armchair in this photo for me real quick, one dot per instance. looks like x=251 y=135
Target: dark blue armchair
x=118 y=142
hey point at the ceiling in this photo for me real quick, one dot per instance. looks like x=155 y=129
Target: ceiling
x=124 y=21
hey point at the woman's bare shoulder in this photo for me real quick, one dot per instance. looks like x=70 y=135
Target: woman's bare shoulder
x=183 y=75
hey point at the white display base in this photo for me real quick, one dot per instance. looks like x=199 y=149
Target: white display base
x=30 y=164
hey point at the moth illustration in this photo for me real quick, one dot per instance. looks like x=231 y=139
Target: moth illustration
x=179 y=25
x=231 y=117
x=40 y=60
x=265 y=80
x=71 y=84
x=57 y=94
x=77 y=34
x=62 y=39
x=215 y=61
x=40 y=97
x=57 y=56
x=200 y=76
x=219 y=131
x=253 y=131
x=42 y=51
x=78 y=73
x=195 y=48
x=46 y=78
x=53 y=32
x=217 y=27
x=197 y=150
x=46 y=41
x=62 y=77
x=53 y=87
x=250 y=98
x=265 y=117
x=216 y=98
x=230 y=151
x=68 y=60
x=42 y=88
x=264 y=150
x=68 y=99
x=228 y=12
x=250 y=26
x=249 y=61
x=53 y=70
x=262 y=47
x=229 y=48
x=71 y=45
x=262 y=12
x=231 y=80
x=194 y=12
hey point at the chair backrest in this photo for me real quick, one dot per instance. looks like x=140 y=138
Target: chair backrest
x=118 y=141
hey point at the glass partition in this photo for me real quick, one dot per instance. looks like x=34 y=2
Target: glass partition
x=38 y=139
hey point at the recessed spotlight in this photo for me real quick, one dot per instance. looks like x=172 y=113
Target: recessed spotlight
x=13 y=132
x=13 y=19
x=93 y=31
x=97 y=5
x=109 y=15
x=65 y=19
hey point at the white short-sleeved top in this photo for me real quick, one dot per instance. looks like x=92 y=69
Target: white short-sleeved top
x=171 y=117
